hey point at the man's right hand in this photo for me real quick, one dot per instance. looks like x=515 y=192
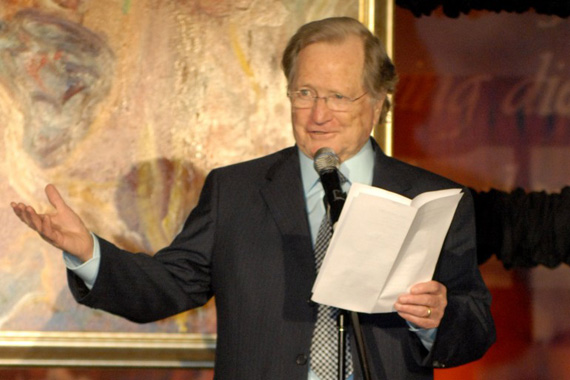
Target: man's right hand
x=63 y=228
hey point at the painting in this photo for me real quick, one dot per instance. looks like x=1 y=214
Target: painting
x=126 y=106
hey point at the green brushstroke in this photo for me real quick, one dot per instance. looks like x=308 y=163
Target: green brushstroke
x=126 y=6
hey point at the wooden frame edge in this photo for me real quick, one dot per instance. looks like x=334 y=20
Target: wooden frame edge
x=378 y=16
x=94 y=349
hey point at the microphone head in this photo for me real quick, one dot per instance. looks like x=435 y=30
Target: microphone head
x=326 y=160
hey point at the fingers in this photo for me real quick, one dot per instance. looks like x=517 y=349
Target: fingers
x=34 y=219
x=54 y=197
x=26 y=214
x=424 y=305
x=431 y=293
x=418 y=311
x=39 y=223
x=423 y=316
x=17 y=207
x=430 y=287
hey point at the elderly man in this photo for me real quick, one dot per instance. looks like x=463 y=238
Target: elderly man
x=250 y=240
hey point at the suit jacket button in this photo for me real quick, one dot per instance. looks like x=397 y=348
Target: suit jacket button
x=301 y=359
x=438 y=364
x=311 y=303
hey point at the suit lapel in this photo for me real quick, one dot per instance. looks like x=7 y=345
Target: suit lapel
x=283 y=194
x=387 y=175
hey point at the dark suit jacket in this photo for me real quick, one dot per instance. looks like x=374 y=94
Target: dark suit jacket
x=248 y=243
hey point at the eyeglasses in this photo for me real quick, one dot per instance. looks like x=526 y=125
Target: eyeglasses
x=306 y=98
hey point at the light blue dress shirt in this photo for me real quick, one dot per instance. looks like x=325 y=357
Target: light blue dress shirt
x=88 y=270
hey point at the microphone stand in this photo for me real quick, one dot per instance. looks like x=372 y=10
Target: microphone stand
x=360 y=345
x=341 y=326
x=341 y=323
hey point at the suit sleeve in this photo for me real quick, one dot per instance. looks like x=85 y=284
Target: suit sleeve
x=467 y=329
x=145 y=288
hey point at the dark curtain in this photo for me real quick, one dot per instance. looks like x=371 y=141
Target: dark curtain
x=523 y=229
x=453 y=8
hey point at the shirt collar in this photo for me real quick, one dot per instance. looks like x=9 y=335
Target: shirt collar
x=358 y=168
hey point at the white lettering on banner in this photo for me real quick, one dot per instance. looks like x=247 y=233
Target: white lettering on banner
x=548 y=93
x=545 y=94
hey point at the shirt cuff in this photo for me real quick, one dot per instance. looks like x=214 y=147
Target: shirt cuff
x=88 y=270
x=427 y=336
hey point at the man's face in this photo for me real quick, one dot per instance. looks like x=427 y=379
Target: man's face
x=327 y=69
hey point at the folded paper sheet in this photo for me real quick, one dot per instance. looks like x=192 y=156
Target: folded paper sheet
x=383 y=244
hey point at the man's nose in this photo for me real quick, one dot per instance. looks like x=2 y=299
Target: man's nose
x=321 y=112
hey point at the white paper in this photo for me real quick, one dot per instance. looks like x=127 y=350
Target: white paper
x=383 y=244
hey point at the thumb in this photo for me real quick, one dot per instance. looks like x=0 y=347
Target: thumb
x=55 y=198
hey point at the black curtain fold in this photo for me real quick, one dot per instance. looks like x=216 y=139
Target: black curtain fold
x=523 y=229
x=454 y=8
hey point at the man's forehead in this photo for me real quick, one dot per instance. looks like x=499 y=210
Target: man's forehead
x=330 y=62
x=352 y=41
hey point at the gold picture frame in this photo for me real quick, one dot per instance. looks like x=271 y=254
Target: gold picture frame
x=96 y=349
x=157 y=350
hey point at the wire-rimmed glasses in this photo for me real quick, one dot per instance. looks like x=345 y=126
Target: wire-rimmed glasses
x=306 y=98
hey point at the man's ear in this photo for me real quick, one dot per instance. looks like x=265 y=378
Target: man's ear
x=379 y=106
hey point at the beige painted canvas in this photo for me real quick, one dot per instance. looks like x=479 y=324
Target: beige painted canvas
x=126 y=106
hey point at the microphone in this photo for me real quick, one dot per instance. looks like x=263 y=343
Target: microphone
x=327 y=163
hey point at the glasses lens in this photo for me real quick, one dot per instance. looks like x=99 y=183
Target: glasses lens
x=306 y=99
x=302 y=99
x=337 y=104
